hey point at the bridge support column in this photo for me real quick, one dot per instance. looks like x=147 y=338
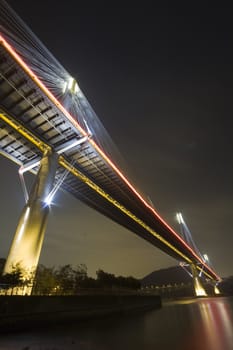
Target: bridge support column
x=198 y=287
x=26 y=246
x=216 y=290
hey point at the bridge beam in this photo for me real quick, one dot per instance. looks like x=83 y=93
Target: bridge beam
x=26 y=245
x=198 y=287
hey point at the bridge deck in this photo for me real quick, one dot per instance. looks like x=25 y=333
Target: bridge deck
x=30 y=122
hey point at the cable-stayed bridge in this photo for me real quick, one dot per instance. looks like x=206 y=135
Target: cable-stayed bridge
x=48 y=127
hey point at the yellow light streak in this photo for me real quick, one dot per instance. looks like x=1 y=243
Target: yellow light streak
x=42 y=146
x=206 y=273
x=24 y=132
x=20 y=61
x=105 y=195
x=199 y=290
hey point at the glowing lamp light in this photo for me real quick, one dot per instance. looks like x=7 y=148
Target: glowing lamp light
x=32 y=75
x=216 y=290
x=26 y=215
x=205 y=256
x=64 y=87
x=199 y=290
x=70 y=85
x=49 y=199
x=179 y=218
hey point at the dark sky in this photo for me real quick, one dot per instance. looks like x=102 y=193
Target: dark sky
x=160 y=80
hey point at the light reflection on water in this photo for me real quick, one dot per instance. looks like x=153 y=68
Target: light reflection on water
x=197 y=324
x=211 y=325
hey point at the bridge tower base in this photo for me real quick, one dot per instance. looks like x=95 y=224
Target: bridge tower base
x=216 y=290
x=198 y=287
x=27 y=242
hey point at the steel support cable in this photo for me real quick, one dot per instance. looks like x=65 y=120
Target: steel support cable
x=32 y=57
x=91 y=120
x=35 y=57
x=21 y=26
x=111 y=181
x=55 y=89
x=99 y=150
x=192 y=242
x=18 y=36
x=58 y=183
x=100 y=191
x=32 y=105
x=39 y=62
x=44 y=68
x=73 y=170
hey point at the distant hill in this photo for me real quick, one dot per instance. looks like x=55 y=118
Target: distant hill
x=171 y=275
x=226 y=286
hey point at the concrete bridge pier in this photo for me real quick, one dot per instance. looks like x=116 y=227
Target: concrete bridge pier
x=198 y=287
x=26 y=245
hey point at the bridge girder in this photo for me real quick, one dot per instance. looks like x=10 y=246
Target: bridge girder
x=135 y=214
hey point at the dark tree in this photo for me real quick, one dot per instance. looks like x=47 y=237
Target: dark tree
x=45 y=281
x=12 y=279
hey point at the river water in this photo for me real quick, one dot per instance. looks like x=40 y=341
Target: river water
x=195 y=324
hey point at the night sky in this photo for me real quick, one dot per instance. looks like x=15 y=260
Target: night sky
x=160 y=80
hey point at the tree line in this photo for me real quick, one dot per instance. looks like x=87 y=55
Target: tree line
x=65 y=280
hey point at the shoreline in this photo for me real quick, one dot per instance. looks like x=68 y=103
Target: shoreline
x=24 y=312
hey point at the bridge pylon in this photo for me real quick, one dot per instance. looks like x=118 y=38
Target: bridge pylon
x=27 y=242
x=198 y=287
